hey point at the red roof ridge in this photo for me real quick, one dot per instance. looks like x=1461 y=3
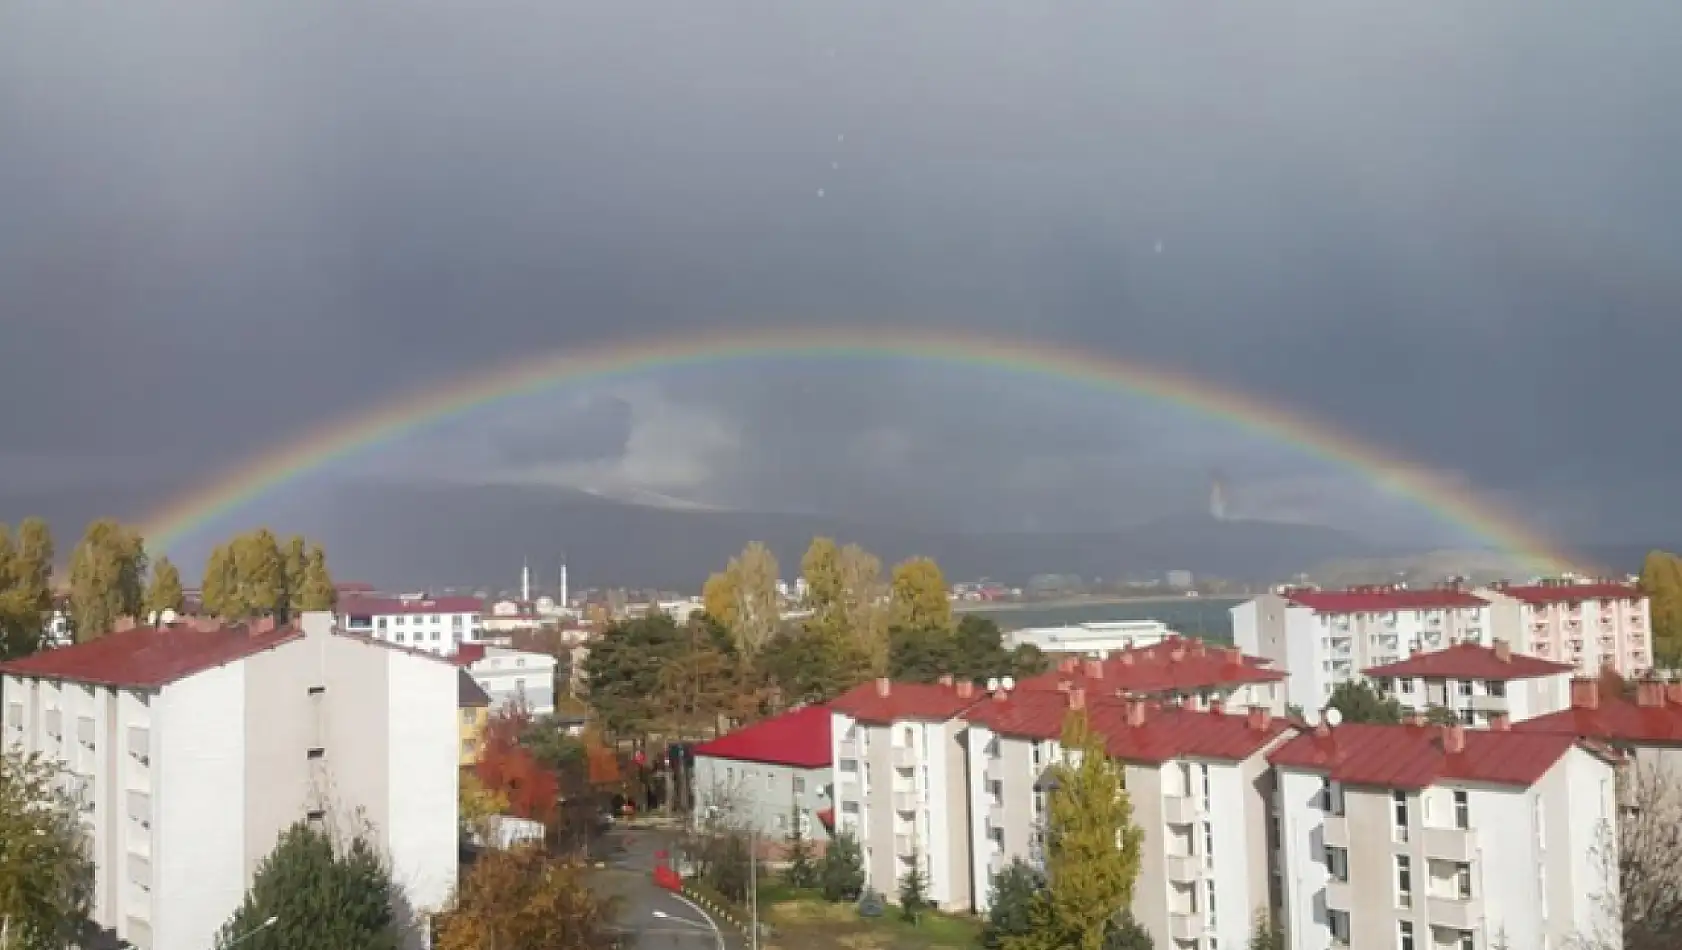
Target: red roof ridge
x=799 y=738
x=1415 y=756
x=1471 y=661
x=150 y=657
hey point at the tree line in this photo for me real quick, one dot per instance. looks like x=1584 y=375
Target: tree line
x=110 y=576
x=748 y=653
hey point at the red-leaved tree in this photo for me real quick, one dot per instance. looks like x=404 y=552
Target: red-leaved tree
x=507 y=767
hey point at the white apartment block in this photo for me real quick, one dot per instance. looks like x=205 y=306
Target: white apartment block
x=512 y=677
x=1175 y=671
x=900 y=784
x=190 y=749
x=1323 y=638
x=1199 y=785
x=435 y=624
x=1425 y=837
x=1480 y=685
x=1589 y=625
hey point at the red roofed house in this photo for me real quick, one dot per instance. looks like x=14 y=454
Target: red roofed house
x=1588 y=624
x=1432 y=836
x=436 y=624
x=768 y=775
x=1321 y=638
x=900 y=783
x=1478 y=683
x=191 y=748
x=1200 y=788
x=1176 y=670
x=1649 y=726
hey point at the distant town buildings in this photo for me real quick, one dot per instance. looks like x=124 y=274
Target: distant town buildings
x=512 y=678
x=191 y=748
x=1090 y=639
x=437 y=625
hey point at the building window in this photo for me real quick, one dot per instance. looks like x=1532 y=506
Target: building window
x=799 y=785
x=1338 y=922
x=399 y=621
x=1462 y=810
x=381 y=623
x=1404 y=935
x=316 y=753
x=1400 y=803
x=455 y=620
x=317 y=690
x=436 y=619
x=1337 y=864
x=1467 y=941
x=1463 y=881
x=1208 y=845
x=1496 y=688
x=1404 y=881
x=770 y=781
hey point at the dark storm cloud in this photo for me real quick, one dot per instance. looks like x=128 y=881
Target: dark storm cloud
x=1451 y=228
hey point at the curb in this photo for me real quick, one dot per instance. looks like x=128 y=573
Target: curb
x=723 y=913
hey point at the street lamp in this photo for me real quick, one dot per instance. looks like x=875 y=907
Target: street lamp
x=273 y=919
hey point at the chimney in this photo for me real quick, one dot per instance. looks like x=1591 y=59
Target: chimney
x=884 y=686
x=1127 y=659
x=1177 y=654
x=1063 y=686
x=1413 y=718
x=1503 y=651
x=1077 y=699
x=1196 y=647
x=966 y=689
x=1500 y=722
x=1135 y=713
x=1585 y=694
x=1067 y=664
x=1322 y=729
x=1095 y=669
x=1258 y=718
x=263 y=625
x=1454 y=739
x=1673 y=692
x=1234 y=655
x=1217 y=706
x=946 y=679
x=1000 y=695
x=1649 y=694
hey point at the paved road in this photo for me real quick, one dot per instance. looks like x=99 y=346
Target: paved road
x=652 y=917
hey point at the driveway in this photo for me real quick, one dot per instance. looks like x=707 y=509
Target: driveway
x=651 y=917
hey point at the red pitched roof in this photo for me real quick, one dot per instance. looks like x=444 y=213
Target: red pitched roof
x=148 y=657
x=1381 y=600
x=882 y=702
x=1166 y=733
x=378 y=606
x=1615 y=719
x=1464 y=661
x=799 y=738
x=1544 y=594
x=1173 y=666
x=1414 y=756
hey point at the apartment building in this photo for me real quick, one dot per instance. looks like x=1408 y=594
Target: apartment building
x=1421 y=837
x=1590 y=625
x=473 y=706
x=1479 y=684
x=191 y=748
x=1322 y=638
x=1648 y=726
x=770 y=777
x=1174 y=671
x=900 y=784
x=435 y=624
x=512 y=677
x=1199 y=785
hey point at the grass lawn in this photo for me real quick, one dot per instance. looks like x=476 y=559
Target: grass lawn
x=803 y=920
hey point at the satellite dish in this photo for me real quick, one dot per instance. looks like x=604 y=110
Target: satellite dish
x=1009 y=683
x=992 y=684
x=1334 y=717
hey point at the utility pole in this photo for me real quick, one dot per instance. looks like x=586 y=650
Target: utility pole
x=753 y=886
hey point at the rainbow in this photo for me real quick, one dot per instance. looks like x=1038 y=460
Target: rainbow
x=234 y=490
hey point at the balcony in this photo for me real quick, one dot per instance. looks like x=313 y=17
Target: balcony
x=996 y=815
x=1489 y=704
x=847 y=749
x=1449 y=844
x=1184 y=926
x=905 y=801
x=1338 y=896
x=994 y=770
x=1454 y=913
x=904 y=757
x=1179 y=809
x=1184 y=868
x=1335 y=831
x=904 y=845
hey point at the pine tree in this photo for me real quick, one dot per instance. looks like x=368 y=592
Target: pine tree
x=318 y=592
x=800 y=873
x=913 y=890
x=321 y=896
x=165 y=592
x=1360 y=701
x=107 y=578
x=841 y=872
x=1010 y=906
x=1092 y=847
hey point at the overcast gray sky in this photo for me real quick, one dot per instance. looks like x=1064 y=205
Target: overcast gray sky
x=1454 y=229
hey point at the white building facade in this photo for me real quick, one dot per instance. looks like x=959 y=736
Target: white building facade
x=1323 y=638
x=1091 y=639
x=1422 y=837
x=771 y=777
x=516 y=678
x=1480 y=685
x=435 y=624
x=1588 y=625
x=191 y=750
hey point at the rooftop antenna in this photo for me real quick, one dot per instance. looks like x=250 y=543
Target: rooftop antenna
x=525 y=582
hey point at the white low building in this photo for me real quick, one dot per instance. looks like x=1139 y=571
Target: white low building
x=1091 y=639
x=1480 y=685
x=435 y=624
x=1428 y=837
x=769 y=777
x=512 y=677
x=191 y=749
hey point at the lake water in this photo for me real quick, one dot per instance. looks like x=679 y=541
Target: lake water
x=1207 y=618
